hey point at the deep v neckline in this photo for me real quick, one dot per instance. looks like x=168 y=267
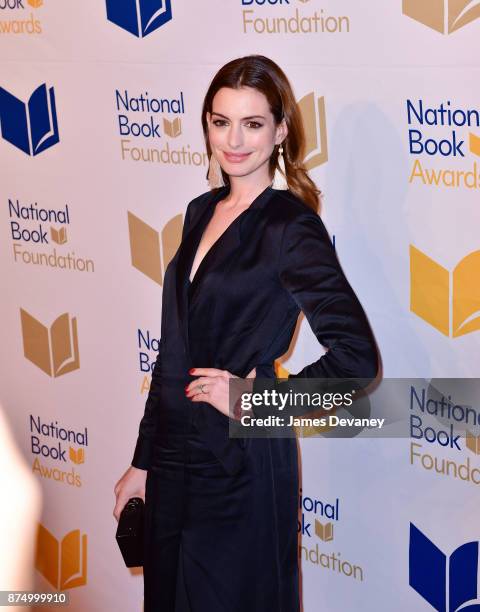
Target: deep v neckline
x=191 y=281
x=216 y=242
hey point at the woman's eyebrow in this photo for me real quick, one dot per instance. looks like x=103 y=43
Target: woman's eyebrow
x=243 y=118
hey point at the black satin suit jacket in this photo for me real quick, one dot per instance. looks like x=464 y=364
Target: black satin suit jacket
x=240 y=312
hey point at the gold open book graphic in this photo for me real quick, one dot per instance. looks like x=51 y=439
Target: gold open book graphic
x=147 y=251
x=59 y=236
x=445 y=16
x=324 y=532
x=474 y=143
x=315 y=126
x=472 y=442
x=449 y=301
x=64 y=563
x=172 y=128
x=76 y=456
x=54 y=350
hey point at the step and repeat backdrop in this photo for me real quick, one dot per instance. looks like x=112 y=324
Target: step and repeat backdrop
x=101 y=149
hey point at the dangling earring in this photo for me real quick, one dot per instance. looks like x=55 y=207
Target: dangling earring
x=280 y=176
x=215 y=177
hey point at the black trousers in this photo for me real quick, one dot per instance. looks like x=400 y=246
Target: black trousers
x=193 y=509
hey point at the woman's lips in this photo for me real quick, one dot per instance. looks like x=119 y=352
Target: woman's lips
x=235 y=157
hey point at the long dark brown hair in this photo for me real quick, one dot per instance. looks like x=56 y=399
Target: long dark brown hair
x=262 y=74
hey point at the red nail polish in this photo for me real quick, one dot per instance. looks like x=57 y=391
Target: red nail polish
x=190 y=371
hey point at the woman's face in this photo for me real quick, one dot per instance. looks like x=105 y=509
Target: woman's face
x=242 y=132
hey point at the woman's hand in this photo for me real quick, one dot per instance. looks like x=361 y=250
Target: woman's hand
x=131 y=484
x=212 y=386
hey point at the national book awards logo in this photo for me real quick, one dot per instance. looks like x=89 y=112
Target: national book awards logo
x=296 y=17
x=150 y=128
x=41 y=237
x=317 y=526
x=444 y=438
x=57 y=450
x=30 y=126
x=139 y=17
x=20 y=17
x=449 y=583
x=444 y=16
x=443 y=144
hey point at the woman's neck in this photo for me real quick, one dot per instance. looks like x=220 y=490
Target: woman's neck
x=243 y=192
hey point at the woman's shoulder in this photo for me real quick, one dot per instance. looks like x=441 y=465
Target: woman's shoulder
x=296 y=220
x=203 y=198
x=289 y=206
x=198 y=204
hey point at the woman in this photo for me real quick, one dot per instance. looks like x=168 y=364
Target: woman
x=221 y=513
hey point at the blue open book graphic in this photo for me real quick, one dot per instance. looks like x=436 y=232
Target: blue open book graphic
x=447 y=584
x=31 y=127
x=139 y=17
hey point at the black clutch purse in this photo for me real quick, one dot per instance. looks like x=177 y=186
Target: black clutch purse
x=130 y=532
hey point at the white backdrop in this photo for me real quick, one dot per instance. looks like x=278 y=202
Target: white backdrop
x=377 y=59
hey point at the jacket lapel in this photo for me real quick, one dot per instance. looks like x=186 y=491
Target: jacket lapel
x=186 y=254
x=219 y=252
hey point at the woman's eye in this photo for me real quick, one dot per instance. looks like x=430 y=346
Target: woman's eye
x=250 y=124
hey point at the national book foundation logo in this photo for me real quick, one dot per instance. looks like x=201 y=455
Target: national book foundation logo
x=139 y=17
x=33 y=228
x=293 y=17
x=30 y=126
x=447 y=583
x=63 y=563
x=444 y=16
x=53 y=349
x=448 y=300
x=443 y=420
x=150 y=127
x=150 y=250
x=17 y=17
x=317 y=524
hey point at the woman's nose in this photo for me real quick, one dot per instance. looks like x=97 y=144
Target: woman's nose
x=235 y=137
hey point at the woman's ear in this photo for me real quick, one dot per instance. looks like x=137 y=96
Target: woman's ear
x=281 y=132
x=208 y=117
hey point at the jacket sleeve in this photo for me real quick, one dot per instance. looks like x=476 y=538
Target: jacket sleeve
x=309 y=270
x=146 y=433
